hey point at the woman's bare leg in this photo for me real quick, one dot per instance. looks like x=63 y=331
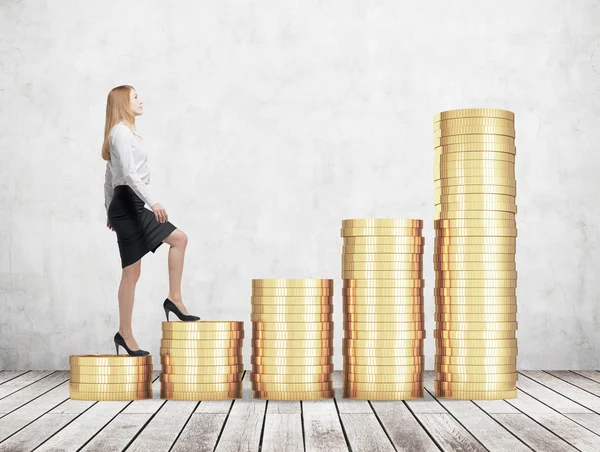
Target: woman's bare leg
x=178 y=241
x=129 y=278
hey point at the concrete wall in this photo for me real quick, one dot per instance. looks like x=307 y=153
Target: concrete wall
x=267 y=123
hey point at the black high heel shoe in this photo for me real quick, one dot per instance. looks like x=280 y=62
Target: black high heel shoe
x=120 y=341
x=172 y=307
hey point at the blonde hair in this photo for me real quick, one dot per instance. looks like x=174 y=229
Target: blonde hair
x=118 y=108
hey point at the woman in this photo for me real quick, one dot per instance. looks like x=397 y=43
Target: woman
x=138 y=229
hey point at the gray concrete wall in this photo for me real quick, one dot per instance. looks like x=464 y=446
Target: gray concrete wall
x=267 y=123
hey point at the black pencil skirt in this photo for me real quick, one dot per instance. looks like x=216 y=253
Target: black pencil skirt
x=138 y=230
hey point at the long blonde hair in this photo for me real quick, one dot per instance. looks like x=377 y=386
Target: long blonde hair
x=118 y=108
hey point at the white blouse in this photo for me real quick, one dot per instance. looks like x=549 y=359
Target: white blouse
x=128 y=165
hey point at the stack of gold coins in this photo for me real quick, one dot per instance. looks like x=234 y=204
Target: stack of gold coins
x=110 y=377
x=382 y=269
x=292 y=339
x=201 y=360
x=476 y=277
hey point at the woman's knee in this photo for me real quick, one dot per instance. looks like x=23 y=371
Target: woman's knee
x=177 y=238
x=132 y=272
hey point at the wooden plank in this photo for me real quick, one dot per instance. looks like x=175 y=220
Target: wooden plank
x=478 y=423
x=322 y=427
x=565 y=428
x=448 y=433
x=548 y=396
x=533 y=434
x=574 y=393
x=29 y=393
x=7 y=375
x=23 y=381
x=591 y=374
x=577 y=380
x=282 y=432
x=123 y=429
x=244 y=425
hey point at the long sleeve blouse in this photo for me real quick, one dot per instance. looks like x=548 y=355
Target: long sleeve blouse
x=128 y=165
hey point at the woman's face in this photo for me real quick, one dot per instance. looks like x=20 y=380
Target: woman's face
x=136 y=104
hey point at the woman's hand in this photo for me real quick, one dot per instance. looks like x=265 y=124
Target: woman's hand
x=160 y=213
x=108 y=225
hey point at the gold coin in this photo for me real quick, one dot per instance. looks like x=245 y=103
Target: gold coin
x=476 y=360
x=479 y=317
x=292 y=387
x=382 y=266
x=409 y=309
x=473 y=138
x=291 y=361
x=497 y=207
x=474 y=130
x=203 y=396
x=389 y=302
x=475 y=258
x=383 y=274
x=447 y=149
x=476 y=232
x=305 y=395
x=201 y=352
x=383 y=352
x=476 y=343
x=473 y=122
x=473 y=214
x=292 y=318
x=476 y=395
x=380 y=344
x=382 y=222
x=380 y=258
x=369 y=395
x=459 y=302
x=110 y=370
x=475 y=292
x=385 y=370
x=168 y=360
x=287 y=379
x=476 y=309
x=284 y=309
x=474 y=274
x=292 y=352
x=292 y=370
x=474 y=113
x=405 y=253
x=477 y=352
x=475 y=266
x=201 y=379
x=364 y=293
x=476 y=326
x=292 y=344
x=478 y=198
x=110 y=396
x=109 y=360
x=488 y=174
x=382 y=387
x=400 y=284
x=384 y=360
x=477 y=378
x=288 y=283
x=291 y=292
x=475 y=223
x=389 y=326
x=395 y=240
x=111 y=387
x=111 y=379
x=474 y=180
x=201 y=387
x=455 y=190
x=472 y=370
x=203 y=326
x=287 y=326
x=292 y=301
x=361 y=232
x=484 y=165
x=384 y=317
x=292 y=335
x=503 y=334
x=201 y=370
x=384 y=335
x=375 y=378
x=474 y=283
x=200 y=343
x=203 y=336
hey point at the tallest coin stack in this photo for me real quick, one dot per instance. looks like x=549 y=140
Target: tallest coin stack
x=474 y=259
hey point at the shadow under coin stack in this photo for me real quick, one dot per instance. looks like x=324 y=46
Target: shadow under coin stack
x=382 y=268
x=292 y=339
x=201 y=360
x=476 y=278
x=110 y=377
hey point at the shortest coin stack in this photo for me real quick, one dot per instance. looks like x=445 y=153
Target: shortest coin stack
x=110 y=377
x=201 y=360
x=292 y=339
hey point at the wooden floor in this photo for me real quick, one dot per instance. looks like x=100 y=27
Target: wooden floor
x=554 y=411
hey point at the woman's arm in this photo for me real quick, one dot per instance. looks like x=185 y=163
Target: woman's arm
x=123 y=151
x=108 y=188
